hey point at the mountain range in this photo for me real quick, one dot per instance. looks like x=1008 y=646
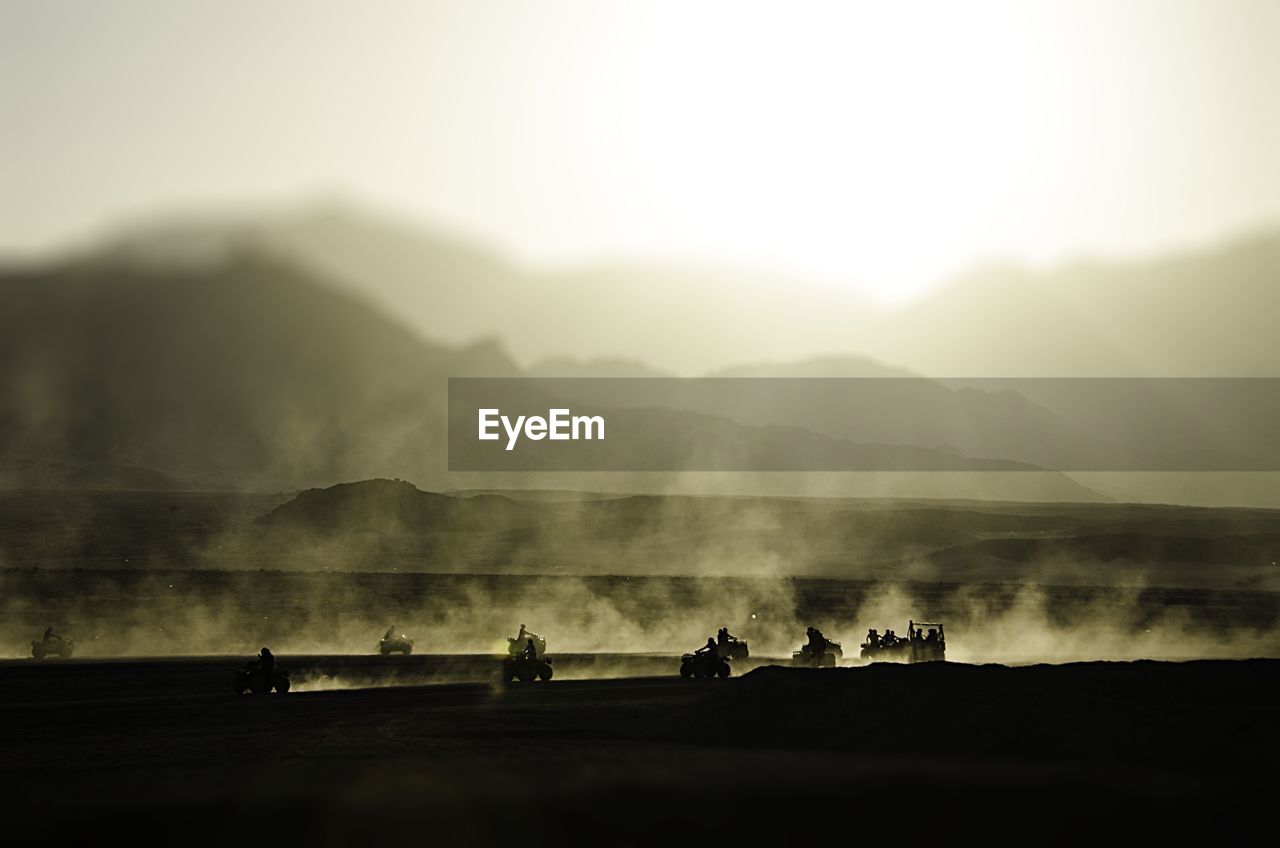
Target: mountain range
x=1188 y=313
x=292 y=351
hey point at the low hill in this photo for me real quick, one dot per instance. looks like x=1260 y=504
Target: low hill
x=395 y=506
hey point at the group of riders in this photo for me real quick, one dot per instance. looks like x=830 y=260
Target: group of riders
x=527 y=661
x=721 y=645
x=724 y=644
x=525 y=644
x=530 y=649
x=817 y=644
x=889 y=639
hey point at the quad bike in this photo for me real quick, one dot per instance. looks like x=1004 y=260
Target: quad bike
x=704 y=664
x=250 y=677
x=526 y=669
x=516 y=644
x=917 y=647
x=395 y=644
x=827 y=658
x=63 y=646
x=734 y=649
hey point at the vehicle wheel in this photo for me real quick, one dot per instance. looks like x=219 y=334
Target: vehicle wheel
x=544 y=673
x=282 y=685
x=724 y=670
x=828 y=661
x=37 y=651
x=685 y=671
x=238 y=688
x=68 y=652
x=524 y=676
x=407 y=650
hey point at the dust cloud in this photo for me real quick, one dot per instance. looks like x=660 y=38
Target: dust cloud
x=201 y=613
x=1033 y=624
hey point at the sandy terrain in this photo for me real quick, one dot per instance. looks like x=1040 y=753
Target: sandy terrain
x=95 y=744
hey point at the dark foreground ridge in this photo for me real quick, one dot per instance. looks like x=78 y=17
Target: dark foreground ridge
x=786 y=752
x=1205 y=716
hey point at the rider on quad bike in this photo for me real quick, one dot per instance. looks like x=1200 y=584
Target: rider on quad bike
x=819 y=651
x=705 y=662
x=730 y=646
x=517 y=644
x=52 y=643
x=260 y=675
x=526 y=664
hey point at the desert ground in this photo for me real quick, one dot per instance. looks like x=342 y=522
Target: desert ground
x=1104 y=664
x=164 y=747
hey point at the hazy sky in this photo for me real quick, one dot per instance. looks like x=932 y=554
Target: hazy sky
x=879 y=144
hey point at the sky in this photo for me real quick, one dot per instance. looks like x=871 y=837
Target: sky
x=876 y=146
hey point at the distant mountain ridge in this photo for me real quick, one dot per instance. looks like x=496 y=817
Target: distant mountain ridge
x=248 y=373
x=306 y=383
x=253 y=373
x=396 y=506
x=1195 y=313
x=1203 y=312
x=454 y=290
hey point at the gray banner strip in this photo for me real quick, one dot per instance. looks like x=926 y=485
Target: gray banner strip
x=874 y=424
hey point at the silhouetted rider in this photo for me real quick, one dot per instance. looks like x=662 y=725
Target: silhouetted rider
x=873 y=638
x=530 y=651
x=266 y=662
x=390 y=634
x=817 y=642
x=48 y=633
x=709 y=648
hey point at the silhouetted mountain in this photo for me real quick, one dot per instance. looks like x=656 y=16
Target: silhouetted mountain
x=380 y=523
x=1182 y=314
x=676 y=317
x=246 y=372
x=394 y=506
x=307 y=386
x=1205 y=313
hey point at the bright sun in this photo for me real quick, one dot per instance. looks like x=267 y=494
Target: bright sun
x=869 y=144
x=866 y=144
